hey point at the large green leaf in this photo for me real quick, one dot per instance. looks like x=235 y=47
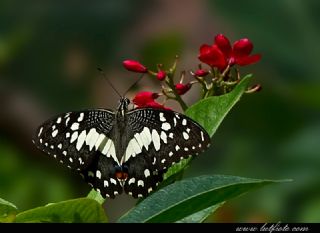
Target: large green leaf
x=183 y=198
x=81 y=210
x=202 y=215
x=7 y=211
x=211 y=111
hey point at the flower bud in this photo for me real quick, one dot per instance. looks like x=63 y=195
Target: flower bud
x=134 y=66
x=182 y=88
x=161 y=75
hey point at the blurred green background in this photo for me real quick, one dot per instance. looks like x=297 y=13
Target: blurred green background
x=49 y=51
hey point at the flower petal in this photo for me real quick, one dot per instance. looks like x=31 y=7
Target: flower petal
x=212 y=56
x=144 y=97
x=242 y=61
x=242 y=48
x=224 y=44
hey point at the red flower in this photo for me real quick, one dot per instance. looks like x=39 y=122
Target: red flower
x=201 y=73
x=221 y=54
x=145 y=99
x=134 y=66
x=182 y=88
x=161 y=75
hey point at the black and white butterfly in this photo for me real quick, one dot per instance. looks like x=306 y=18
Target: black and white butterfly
x=120 y=150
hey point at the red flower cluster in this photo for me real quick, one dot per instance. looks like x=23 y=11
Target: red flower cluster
x=221 y=54
x=146 y=99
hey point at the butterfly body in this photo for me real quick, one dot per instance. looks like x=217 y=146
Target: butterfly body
x=125 y=150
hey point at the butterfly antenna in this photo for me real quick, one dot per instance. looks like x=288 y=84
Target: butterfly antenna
x=105 y=77
x=135 y=83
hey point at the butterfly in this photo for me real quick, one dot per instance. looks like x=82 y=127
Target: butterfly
x=122 y=150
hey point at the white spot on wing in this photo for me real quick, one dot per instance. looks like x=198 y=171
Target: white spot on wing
x=81 y=139
x=131 y=181
x=91 y=138
x=81 y=117
x=64 y=153
x=146 y=172
x=71 y=160
x=184 y=122
x=75 y=126
x=113 y=181
x=146 y=137
x=165 y=126
x=105 y=183
x=99 y=140
x=67 y=135
x=54 y=133
x=74 y=136
x=185 y=135
x=59 y=120
x=156 y=139
x=106 y=147
x=60 y=146
x=170 y=135
x=150 y=190
x=163 y=136
x=98 y=174
x=162 y=118
x=163 y=160
x=177 y=147
x=170 y=153
x=140 y=183
x=202 y=137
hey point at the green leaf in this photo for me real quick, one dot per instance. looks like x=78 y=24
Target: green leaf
x=211 y=111
x=81 y=210
x=93 y=194
x=202 y=215
x=7 y=211
x=186 y=197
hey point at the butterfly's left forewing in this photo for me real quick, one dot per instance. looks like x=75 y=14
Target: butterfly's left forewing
x=81 y=141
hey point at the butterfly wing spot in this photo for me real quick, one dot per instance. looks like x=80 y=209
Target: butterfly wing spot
x=171 y=135
x=140 y=183
x=177 y=147
x=146 y=172
x=59 y=120
x=67 y=135
x=186 y=135
x=74 y=137
x=98 y=174
x=162 y=118
x=174 y=121
x=68 y=119
x=105 y=183
x=163 y=137
x=202 y=137
x=170 y=154
x=80 y=117
x=186 y=149
x=156 y=139
x=81 y=139
x=54 y=133
x=71 y=160
x=132 y=181
x=113 y=181
x=64 y=153
x=75 y=126
x=163 y=160
x=40 y=131
x=184 y=122
x=165 y=126
x=60 y=146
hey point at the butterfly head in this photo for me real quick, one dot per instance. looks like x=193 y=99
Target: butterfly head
x=123 y=105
